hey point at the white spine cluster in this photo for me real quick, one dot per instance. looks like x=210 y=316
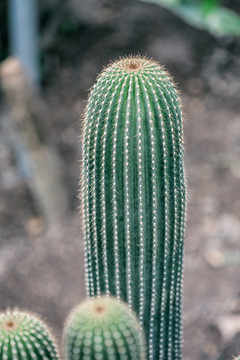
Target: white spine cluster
x=128 y=195
x=142 y=209
x=91 y=129
x=102 y=85
x=103 y=189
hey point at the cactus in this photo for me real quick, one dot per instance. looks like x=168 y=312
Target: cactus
x=133 y=190
x=24 y=336
x=103 y=328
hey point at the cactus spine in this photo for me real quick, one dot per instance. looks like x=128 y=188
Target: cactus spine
x=103 y=329
x=25 y=337
x=133 y=188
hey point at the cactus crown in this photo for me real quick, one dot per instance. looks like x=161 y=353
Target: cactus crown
x=103 y=327
x=24 y=336
x=134 y=64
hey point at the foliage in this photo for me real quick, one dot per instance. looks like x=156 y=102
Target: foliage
x=206 y=15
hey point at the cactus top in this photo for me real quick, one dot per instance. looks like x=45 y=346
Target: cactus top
x=137 y=65
x=25 y=336
x=101 y=312
x=103 y=328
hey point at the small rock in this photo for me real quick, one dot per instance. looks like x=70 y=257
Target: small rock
x=35 y=226
x=229 y=326
x=215 y=258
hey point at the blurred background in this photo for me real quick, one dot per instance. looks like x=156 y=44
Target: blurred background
x=51 y=52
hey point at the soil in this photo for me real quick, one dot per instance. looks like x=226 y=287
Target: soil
x=43 y=269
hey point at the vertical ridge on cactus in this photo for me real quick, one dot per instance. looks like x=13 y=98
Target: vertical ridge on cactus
x=103 y=328
x=24 y=336
x=133 y=187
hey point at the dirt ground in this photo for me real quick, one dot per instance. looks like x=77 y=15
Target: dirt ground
x=43 y=270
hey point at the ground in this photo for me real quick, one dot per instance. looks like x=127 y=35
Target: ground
x=43 y=270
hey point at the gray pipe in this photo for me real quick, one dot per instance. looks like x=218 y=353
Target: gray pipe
x=23 y=32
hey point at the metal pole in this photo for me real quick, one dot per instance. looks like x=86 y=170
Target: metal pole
x=23 y=32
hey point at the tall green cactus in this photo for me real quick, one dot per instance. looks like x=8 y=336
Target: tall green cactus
x=25 y=337
x=103 y=328
x=133 y=188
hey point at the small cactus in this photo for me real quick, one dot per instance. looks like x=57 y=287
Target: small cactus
x=23 y=336
x=103 y=328
x=134 y=197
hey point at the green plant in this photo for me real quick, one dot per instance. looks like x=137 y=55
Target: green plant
x=103 y=328
x=133 y=188
x=23 y=336
x=206 y=15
